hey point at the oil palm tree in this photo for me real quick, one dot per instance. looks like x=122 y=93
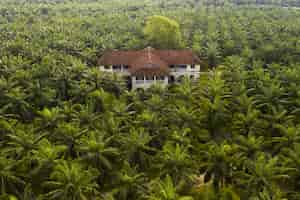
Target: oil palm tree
x=44 y=157
x=287 y=138
x=290 y=158
x=21 y=143
x=250 y=145
x=176 y=160
x=96 y=150
x=69 y=134
x=219 y=163
x=277 y=117
x=165 y=190
x=70 y=180
x=264 y=172
x=269 y=96
x=214 y=105
x=10 y=181
x=128 y=182
x=49 y=118
x=136 y=146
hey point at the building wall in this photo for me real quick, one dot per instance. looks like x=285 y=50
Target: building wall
x=109 y=68
x=176 y=74
x=145 y=84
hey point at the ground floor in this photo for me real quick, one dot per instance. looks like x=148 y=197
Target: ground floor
x=145 y=82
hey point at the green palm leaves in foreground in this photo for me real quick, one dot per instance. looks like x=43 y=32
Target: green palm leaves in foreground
x=70 y=180
x=166 y=190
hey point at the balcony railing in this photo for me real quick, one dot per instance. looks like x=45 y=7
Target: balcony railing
x=149 y=81
x=179 y=70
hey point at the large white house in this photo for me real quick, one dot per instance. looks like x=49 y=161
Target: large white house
x=149 y=66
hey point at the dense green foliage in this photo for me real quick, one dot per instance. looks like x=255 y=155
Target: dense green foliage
x=68 y=131
x=163 y=33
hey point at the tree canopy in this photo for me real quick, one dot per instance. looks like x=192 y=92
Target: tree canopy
x=162 y=32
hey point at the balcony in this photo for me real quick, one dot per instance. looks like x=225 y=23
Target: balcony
x=119 y=69
x=145 y=82
x=184 y=70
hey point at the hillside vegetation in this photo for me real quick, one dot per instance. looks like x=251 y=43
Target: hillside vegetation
x=70 y=132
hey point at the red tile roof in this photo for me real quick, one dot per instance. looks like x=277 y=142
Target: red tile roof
x=148 y=63
x=149 y=60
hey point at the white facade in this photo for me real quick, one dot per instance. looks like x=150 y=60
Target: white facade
x=192 y=71
x=176 y=73
x=146 y=82
x=121 y=69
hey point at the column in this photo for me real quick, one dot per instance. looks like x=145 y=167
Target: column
x=133 y=82
x=166 y=80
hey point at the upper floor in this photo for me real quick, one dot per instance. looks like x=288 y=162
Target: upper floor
x=176 y=70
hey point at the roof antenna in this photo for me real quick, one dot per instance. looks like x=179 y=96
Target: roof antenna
x=149 y=54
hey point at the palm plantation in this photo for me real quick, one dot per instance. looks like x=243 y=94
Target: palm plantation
x=69 y=131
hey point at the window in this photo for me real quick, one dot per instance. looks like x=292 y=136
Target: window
x=160 y=78
x=139 y=78
x=150 y=78
x=116 y=67
x=106 y=67
x=182 y=66
x=172 y=66
x=125 y=67
x=192 y=66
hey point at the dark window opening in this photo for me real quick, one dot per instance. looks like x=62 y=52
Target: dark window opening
x=193 y=66
x=151 y=78
x=172 y=79
x=106 y=66
x=161 y=78
x=116 y=67
x=140 y=78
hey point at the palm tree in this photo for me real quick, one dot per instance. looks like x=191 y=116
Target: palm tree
x=219 y=163
x=21 y=143
x=290 y=158
x=287 y=138
x=277 y=117
x=263 y=173
x=214 y=106
x=165 y=190
x=247 y=119
x=10 y=181
x=15 y=102
x=70 y=180
x=44 y=157
x=128 y=182
x=96 y=150
x=176 y=160
x=135 y=146
x=6 y=127
x=49 y=118
x=269 y=96
x=69 y=134
x=249 y=146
